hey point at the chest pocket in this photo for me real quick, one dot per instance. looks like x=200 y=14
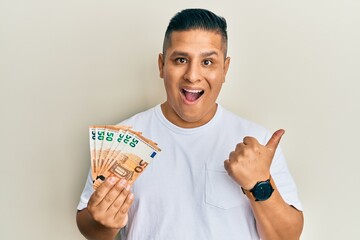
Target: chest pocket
x=221 y=190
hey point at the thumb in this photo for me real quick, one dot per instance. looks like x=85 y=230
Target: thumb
x=275 y=139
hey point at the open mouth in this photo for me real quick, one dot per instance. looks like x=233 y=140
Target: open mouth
x=192 y=95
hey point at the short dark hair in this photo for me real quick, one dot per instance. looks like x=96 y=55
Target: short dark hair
x=191 y=19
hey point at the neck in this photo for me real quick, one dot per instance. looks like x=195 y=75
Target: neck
x=179 y=121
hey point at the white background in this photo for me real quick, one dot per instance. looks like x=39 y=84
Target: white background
x=65 y=65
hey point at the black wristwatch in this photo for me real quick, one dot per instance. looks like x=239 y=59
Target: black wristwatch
x=261 y=191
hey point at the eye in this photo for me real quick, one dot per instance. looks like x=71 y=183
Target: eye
x=181 y=60
x=207 y=62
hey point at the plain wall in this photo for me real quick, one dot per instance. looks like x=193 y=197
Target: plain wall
x=65 y=65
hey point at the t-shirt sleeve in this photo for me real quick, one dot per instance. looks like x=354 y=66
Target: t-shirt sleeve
x=86 y=193
x=284 y=181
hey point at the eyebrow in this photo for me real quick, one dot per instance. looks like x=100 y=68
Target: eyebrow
x=208 y=54
x=204 y=54
x=179 y=53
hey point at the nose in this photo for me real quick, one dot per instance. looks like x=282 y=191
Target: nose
x=193 y=73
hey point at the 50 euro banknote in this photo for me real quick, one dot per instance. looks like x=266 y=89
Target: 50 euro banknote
x=119 y=151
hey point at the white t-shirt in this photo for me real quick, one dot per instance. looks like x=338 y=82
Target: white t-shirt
x=185 y=193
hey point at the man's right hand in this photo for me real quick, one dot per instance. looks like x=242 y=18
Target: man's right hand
x=110 y=203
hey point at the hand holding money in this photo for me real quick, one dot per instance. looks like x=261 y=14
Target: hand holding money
x=110 y=203
x=119 y=151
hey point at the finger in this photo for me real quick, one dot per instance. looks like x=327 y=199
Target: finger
x=112 y=195
x=232 y=156
x=123 y=191
x=275 y=139
x=240 y=146
x=101 y=191
x=226 y=165
x=250 y=140
x=126 y=205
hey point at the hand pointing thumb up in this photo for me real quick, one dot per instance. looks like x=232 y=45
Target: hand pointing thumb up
x=250 y=161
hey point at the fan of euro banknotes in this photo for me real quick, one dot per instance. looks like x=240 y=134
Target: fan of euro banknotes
x=119 y=151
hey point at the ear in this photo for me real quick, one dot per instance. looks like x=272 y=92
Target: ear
x=161 y=65
x=226 y=66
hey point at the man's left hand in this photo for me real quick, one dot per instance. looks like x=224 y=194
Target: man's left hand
x=250 y=161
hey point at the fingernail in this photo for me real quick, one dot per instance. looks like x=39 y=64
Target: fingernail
x=128 y=187
x=122 y=182
x=131 y=196
x=111 y=180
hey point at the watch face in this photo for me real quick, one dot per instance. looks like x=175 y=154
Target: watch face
x=262 y=190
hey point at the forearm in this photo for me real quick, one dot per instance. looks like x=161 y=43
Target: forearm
x=275 y=219
x=93 y=230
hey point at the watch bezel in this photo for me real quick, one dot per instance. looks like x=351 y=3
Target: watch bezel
x=255 y=194
x=262 y=190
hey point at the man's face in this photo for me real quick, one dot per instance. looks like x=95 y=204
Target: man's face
x=193 y=68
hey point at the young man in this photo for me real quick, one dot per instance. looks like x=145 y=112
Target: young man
x=218 y=176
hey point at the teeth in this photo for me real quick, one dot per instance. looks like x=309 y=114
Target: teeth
x=193 y=91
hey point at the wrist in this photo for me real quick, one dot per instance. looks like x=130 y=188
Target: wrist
x=261 y=191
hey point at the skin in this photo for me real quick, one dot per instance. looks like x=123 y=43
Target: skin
x=195 y=61
x=107 y=210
